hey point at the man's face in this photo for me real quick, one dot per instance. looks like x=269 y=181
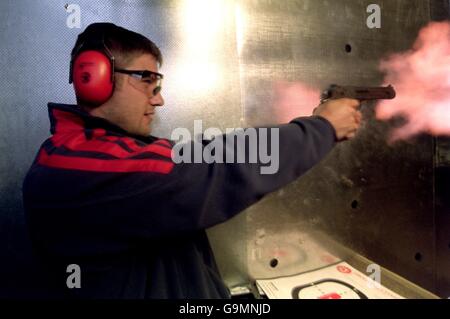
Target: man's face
x=132 y=105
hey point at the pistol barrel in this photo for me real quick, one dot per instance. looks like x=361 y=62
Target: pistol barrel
x=359 y=93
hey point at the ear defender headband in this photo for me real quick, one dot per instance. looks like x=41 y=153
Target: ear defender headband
x=92 y=72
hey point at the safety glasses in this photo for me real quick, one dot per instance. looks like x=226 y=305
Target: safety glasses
x=144 y=80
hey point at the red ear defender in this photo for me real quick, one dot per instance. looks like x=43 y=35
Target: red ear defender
x=92 y=77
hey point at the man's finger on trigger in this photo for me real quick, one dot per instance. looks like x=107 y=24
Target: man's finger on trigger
x=358 y=117
x=354 y=103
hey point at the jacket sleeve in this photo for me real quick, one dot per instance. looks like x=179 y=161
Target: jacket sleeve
x=200 y=195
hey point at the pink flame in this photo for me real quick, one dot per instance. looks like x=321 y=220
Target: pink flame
x=294 y=99
x=421 y=78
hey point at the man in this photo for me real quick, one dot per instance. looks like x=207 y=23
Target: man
x=105 y=195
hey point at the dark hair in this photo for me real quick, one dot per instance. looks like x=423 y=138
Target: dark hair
x=123 y=44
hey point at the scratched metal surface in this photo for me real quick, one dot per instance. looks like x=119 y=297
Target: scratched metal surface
x=221 y=61
x=373 y=198
x=440 y=11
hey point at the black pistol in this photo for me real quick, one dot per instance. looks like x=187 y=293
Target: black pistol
x=361 y=93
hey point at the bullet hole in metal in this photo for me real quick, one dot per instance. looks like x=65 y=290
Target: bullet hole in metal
x=348 y=48
x=355 y=204
x=418 y=257
x=273 y=263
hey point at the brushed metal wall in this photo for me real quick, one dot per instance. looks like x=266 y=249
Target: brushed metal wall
x=373 y=198
x=440 y=10
x=222 y=59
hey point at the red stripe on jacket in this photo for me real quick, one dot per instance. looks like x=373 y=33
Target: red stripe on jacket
x=69 y=132
x=100 y=165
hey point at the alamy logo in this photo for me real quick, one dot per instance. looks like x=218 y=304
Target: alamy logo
x=74 y=18
x=74 y=279
x=253 y=145
x=374 y=20
x=374 y=279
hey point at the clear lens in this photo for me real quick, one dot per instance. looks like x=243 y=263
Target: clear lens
x=147 y=84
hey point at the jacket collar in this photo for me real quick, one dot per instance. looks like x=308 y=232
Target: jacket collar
x=65 y=118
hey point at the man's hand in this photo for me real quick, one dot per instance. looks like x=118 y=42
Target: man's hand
x=343 y=114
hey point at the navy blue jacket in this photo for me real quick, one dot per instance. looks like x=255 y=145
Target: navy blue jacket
x=134 y=221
